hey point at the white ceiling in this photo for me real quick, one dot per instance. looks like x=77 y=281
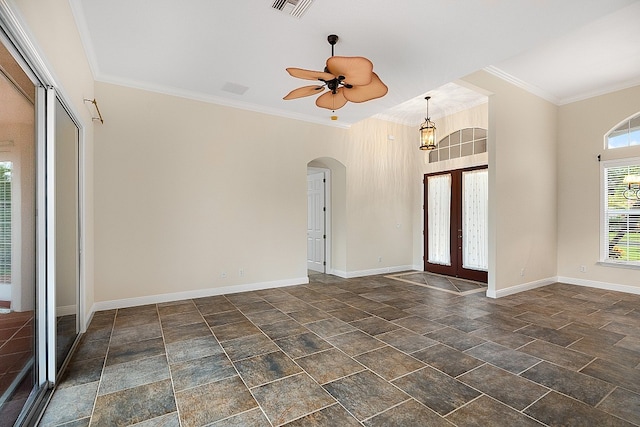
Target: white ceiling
x=561 y=49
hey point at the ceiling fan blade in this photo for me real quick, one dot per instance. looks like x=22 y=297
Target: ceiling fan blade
x=355 y=69
x=310 y=74
x=375 y=89
x=332 y=101
x=303 y=91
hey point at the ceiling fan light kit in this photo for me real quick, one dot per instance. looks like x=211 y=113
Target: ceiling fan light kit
x=347 y=78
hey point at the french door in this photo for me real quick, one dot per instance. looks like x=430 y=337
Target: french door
x=456 y=223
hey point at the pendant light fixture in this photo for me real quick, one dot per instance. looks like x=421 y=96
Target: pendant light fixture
x=427 y=132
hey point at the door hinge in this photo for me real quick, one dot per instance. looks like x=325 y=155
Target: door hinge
x=324 y=236
x=324 y=262
x=324 y=209
x=324 y=180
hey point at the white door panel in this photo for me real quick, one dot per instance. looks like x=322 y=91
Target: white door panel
x=316 y=222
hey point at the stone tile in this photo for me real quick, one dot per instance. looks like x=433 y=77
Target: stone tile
x=329 y=365
x=374 y=325
x=461 y=323
x=283 y=329
x=134 y=405
x=502 y=336
x=214 y=401
x=485 y=411
x=181 y=351
x=330 y=327
x=334 y=415
x=135 y=350
x=132 y=374
x=224 y=318
x=595 y=334
x=252 y=418
x=82 y=372
x=186 y=332
x=290 y=398
x=419 y=324
x=562 y=337
x=389 y=363
x=555 y=409
x=349 y=314
x=70 y=404
x=267 y=317
x=310 y=315
x=390 y=313
x=365 y=394
x=544 y=320
x=618 y=355
x=449 y=360
x=249 y=346
x=181 y=319
x=503 y=321
x=329 y=304
x=90 y=350
x=254 y=307
x=438 y=391
x=630 y=343
x=405 y=340
x=136 y=333
x=265 y=368
x=136 y=311
x=83 y=422
x=623 y=404
x=302 y=345
x=234 y=330
x=201 y=371
x=622 y=376
x=138 y=319
x=503 y=357
x=356 y=342
x=454 y=338
x=562 y=356
x=290 y=305
x=574 y=384
x=169 y=420
x=504 y=386
x=176 y=307
x=214 y=307
x=408 y=414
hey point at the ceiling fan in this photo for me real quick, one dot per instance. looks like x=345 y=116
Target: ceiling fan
x=348 y=78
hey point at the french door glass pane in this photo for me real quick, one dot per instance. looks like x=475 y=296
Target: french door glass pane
x=475 y=219
x=439 y=219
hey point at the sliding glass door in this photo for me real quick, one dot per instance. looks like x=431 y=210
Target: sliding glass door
x=39 y=235
x=456 y=223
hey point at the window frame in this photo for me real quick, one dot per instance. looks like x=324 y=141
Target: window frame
x=615 y=130
x=604 y=238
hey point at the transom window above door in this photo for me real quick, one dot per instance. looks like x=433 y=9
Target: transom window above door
x=461 y=143
x=627 y=134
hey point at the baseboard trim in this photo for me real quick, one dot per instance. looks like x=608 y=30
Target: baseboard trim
x=199 y=293
x=600 y=285
x=493 y=293
x=372 y=272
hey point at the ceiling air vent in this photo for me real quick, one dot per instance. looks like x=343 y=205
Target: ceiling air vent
x=295 y=8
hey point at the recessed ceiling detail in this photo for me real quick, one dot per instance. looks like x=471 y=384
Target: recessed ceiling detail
x=295 y=8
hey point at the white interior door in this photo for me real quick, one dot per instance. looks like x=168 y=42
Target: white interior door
x=316 y=222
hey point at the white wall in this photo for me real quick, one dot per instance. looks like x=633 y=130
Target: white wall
x=582 y=126
x=186 y=191
x=522 y=185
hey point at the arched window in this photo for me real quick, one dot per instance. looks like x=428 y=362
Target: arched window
x=461 y=143
x=626 y=134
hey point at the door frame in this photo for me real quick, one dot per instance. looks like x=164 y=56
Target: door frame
x=327 y=215
x=455 y=214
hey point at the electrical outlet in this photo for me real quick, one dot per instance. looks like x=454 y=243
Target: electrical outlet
x=241 y=272
x=522 y=273
x=583 y=269
x=223 y=275
x=379 y=259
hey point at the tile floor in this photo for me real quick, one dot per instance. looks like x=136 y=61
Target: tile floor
x=360 y=352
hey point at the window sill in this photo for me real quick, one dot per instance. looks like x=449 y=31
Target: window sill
x=634 y=266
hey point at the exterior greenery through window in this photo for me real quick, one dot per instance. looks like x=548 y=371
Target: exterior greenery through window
x=622 y=216
x=5 y=222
